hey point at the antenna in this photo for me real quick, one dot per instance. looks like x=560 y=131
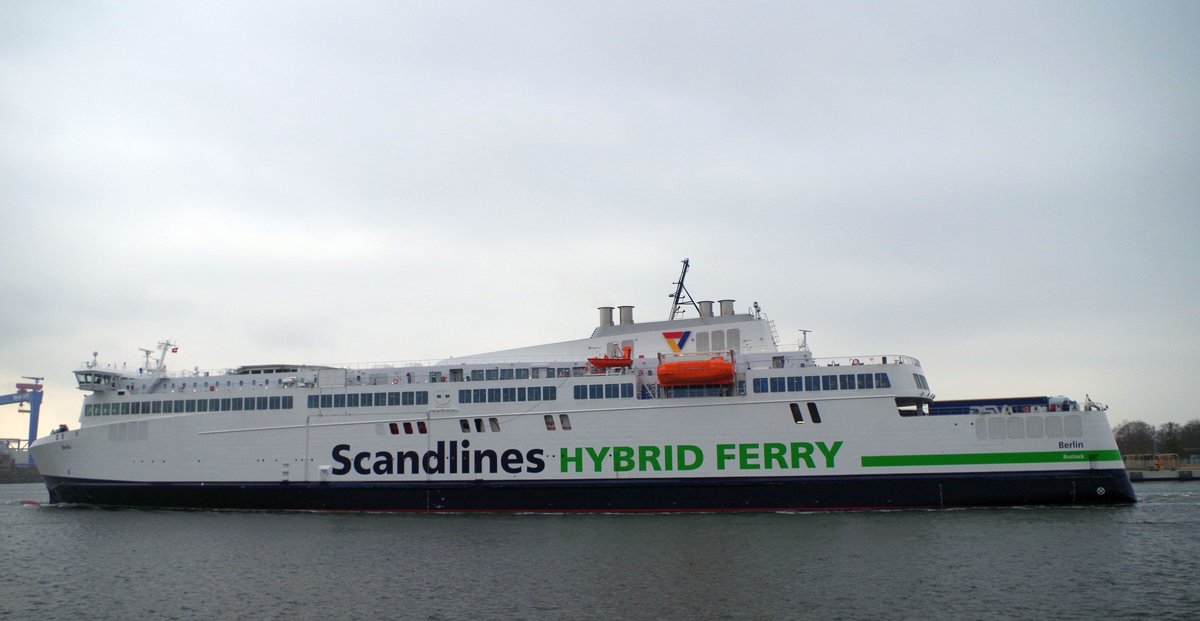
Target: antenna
x=804 y=342
x=681 y=295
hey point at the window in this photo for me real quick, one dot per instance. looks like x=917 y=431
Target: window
x=274 y=403
x=626 y=393
x=506 y=374
x=778 y=384
x=477 y=375
x=493 y=395
x=522 y=373
x=236 y=404
x=510 y=394
x=479 y=395
x=882 y=381
x=248 y=403
x=847 y=382
x=214 y=405
x=479 y=425
x=393 y=398
x=326 y=401
x=422 y=397
x=612 y=391
x=339 y=401
x=565 y=420
x=380 y=398
x=866 y=380
x=760 y=384
x=581 y=392
x=829 y=382
x=549 y=393
x=125 y=408
x=596 y=391
x=813 y=413
x=156 y=407
x=287 y=403
x=795 y=384
x=136 y=408
x=225 y=404
x=464 y=396
x=464 y=425
x=812 y=382
x=352 y=400
x=407 y=398
x=492 y=374
x=202 y=405
x=549 y=422
x=495 y=424
x=535 y=393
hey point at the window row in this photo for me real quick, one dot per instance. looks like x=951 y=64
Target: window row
x=367 y=399
x=604 y=391
x=498 y=395
x=484 y=375
x=394 y=428
x=810 y=383
x=181 y=406
x=921 y=382
x=465 y=425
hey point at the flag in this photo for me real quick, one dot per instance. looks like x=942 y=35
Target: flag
x=174 y=350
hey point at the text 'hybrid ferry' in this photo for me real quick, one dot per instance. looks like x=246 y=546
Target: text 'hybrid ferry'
x=706 y=413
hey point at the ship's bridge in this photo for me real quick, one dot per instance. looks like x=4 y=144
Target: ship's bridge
x=101 y=380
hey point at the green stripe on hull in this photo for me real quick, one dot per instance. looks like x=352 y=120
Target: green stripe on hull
x=970 y=459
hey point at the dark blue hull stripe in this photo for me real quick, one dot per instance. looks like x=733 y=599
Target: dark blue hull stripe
x=658 y=495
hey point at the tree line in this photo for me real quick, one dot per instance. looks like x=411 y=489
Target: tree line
x=1140 y=438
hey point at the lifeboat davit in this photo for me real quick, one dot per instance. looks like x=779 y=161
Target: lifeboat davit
x=614 y=363
x=695 y=372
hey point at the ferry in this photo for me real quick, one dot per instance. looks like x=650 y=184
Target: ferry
x=703 y=411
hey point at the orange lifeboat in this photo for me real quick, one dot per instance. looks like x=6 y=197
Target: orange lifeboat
x=695 y=372
x=613 y=363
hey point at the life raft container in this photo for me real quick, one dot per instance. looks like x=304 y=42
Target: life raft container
x=695 y=372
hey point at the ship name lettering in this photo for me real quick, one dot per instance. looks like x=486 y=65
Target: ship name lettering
x=446 y=458
x=666 y=458
x=1074 y=444
x=775 y=455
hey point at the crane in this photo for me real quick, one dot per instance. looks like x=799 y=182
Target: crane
x=30 y=393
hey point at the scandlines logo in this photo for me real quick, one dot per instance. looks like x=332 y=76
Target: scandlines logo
x=677 y=340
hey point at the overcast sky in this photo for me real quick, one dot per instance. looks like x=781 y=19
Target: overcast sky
x=1008 y=191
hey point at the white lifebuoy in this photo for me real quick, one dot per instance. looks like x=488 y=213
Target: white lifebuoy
x=855 y=362
x=395 y=381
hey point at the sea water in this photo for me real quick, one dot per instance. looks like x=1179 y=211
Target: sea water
x=1132 y=562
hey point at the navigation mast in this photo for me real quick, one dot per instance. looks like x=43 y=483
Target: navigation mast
x=681 y=295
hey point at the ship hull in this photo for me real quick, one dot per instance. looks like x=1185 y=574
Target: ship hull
x=813 y=493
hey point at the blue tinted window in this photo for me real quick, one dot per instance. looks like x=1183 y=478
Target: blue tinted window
x=777 y=384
